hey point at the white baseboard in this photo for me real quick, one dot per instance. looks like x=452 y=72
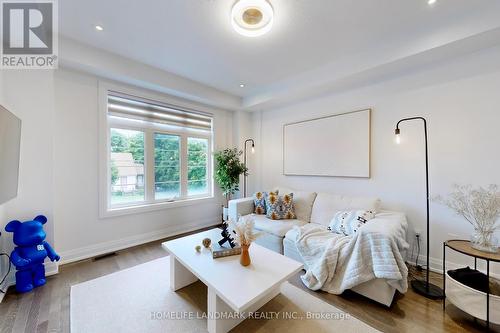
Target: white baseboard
x=51 y=268
x=436 y=265
x=120 y=244
x=82 y=253
x=2 y=295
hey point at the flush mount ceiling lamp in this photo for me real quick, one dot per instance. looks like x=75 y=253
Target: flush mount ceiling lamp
x=252 y=18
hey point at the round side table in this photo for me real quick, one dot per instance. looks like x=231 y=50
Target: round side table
x=464 y=247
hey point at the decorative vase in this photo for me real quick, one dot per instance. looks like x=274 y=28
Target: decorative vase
x=484 y=240
x=245 y=256
x=225 y=211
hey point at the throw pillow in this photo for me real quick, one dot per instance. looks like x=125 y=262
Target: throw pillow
x=349 y=222
x=259 y=202
x=302 y=203
x=280 y=207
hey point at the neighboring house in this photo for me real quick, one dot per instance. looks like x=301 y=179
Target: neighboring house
x=130 y=174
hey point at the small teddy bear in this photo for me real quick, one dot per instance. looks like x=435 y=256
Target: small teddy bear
x=30 y=253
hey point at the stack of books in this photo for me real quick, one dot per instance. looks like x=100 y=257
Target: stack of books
x=220 y=251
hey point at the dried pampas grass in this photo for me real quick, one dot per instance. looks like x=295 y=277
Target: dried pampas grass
x=245 y=234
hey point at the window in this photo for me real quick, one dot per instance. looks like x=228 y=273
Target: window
x=167 y=166
x=197 y=166
x=156 y=152
x=127 y=164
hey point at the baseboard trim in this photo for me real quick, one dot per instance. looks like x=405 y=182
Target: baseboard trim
x=436 y=265
x=120 y=244
x=51 y=268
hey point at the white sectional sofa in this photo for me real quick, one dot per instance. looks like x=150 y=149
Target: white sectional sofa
x=317 y=208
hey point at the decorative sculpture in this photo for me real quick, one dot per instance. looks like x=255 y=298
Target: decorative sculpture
x=206 y=242
x=30 y=253
x=226 y=236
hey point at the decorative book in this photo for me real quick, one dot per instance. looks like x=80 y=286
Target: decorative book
x=221 y=251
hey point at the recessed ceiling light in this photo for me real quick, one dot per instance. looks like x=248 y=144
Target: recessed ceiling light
x=99 y=28
x=242 y=85
x=252 y=18
x=431 y=2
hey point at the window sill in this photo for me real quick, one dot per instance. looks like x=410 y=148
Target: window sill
x=151 y=207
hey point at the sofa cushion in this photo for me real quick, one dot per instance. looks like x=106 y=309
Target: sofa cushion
x=327 y=205
x=280 y=207
x=275 y=227
x=302 y=201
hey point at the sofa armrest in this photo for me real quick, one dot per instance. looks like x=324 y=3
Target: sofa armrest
x=240 y=207
x=390 y=224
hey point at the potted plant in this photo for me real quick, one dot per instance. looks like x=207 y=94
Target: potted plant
x=228 y=169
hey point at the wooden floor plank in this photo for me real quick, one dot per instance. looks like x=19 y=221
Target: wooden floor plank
x=22 y=314
x=48 y=308
x=8 y=313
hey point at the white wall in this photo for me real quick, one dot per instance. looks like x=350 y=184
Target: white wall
x=461 y=101
x=59 y=169
x=80 y=232
x=30 y=96
x=4 y=262
x=242 y=131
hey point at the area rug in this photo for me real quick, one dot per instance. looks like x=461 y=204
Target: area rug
x=139 y=299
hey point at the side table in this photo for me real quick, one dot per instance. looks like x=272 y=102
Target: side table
x=464 y=247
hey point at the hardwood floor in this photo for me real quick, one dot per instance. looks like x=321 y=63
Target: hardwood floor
x=409 y=312
x=47 y=309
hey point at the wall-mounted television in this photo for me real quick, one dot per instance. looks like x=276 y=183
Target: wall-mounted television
x=10 y=141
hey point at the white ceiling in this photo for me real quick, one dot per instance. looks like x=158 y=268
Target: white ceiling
x=312 y=40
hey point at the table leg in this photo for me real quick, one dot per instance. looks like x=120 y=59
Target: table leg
x=488 y=295
x=180 y=276
x=222 y=318
x=219 y=319
x=444 y=276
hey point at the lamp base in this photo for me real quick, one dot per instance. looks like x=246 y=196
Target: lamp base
x=428 y=290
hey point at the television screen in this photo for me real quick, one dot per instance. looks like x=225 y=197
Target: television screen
x=10 y=139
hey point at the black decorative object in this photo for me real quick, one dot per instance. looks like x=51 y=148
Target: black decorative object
x=245 y=163
x=424 y=288
x=226 y=236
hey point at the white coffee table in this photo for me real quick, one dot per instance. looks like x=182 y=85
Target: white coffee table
x=232 y=288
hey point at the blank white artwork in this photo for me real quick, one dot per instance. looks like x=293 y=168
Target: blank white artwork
x=337 y=145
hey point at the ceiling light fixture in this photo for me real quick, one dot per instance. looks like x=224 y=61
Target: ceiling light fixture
x=431 y=2
x=252 y=18
x=99 y=28
x=242 y=85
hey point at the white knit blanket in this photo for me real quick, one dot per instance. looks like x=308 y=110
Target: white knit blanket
x=336 y=263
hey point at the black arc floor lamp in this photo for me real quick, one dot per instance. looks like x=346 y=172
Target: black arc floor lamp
x=424 y=288
x=245 y=163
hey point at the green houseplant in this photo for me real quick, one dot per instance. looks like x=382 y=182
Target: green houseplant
x=228 y=169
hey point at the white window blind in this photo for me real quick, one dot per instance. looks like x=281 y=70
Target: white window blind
x=130 y=107
x=157 y=152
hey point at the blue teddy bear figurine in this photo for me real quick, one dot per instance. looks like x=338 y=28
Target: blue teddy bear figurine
x=29 y=254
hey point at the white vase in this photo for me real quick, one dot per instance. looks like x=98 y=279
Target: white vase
x=225 y=213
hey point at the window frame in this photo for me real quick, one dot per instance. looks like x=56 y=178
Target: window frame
x=149 y=129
